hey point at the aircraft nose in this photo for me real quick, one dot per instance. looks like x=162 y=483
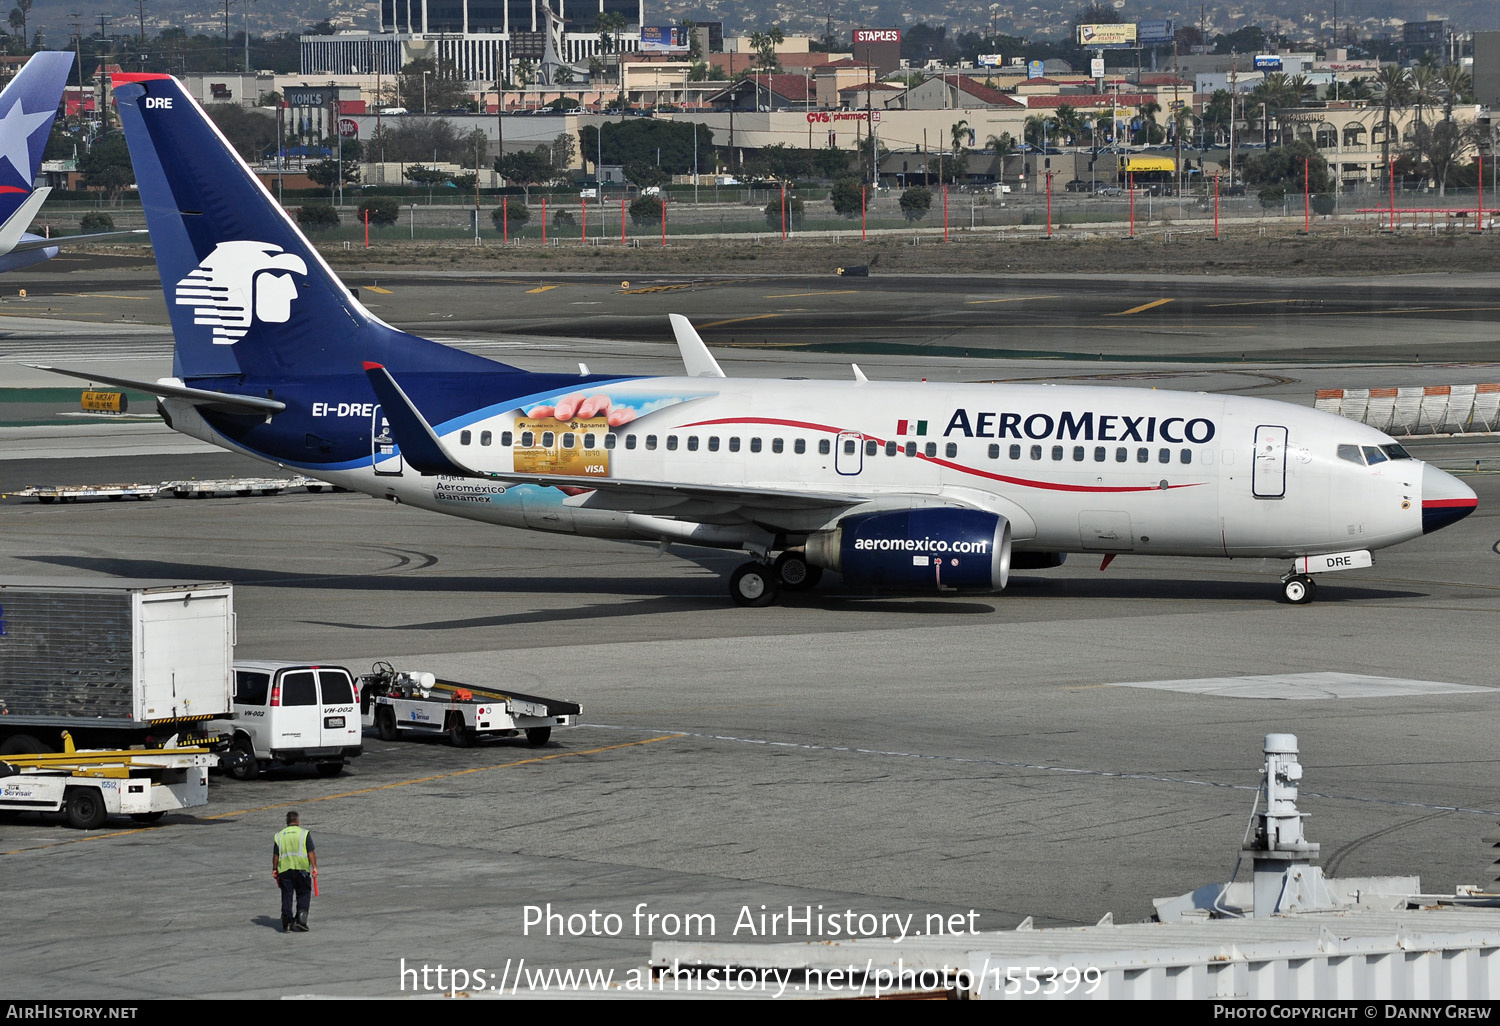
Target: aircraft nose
x=1445 y=499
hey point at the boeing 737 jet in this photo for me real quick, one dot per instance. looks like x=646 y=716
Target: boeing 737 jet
x=891 y=485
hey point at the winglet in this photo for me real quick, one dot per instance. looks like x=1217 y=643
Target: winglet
x=16 y=225
x=420 y=445
x=859 y=375
x=699 y=362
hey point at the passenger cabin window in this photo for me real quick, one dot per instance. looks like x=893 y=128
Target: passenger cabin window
x=610 y=440
x=950 y=450
x=931 y=450
x=1143 y=455
x=651 y=441
x=713 y=443
x=465 y=437
x=692 y=443
x=506 y=438
x=485 y=438
x=1015 y=452
x=911 y=448
x=734 y=443
x=591 y=441
x=569 y=440
x=1122 y=454
x=799 y=446
x=871 y=448
x=1036 y=452
x=1164 y=456
x=890 y=448
x=755 y=445
x=1057 y=452
x=848 y=447
x=824 y=447
x=671 y=442
x=548 y=439
x=630 y=441
x=1098 y=454
x=1186 y=456
x=776 y=445
x=994 y=452
x=528 y=439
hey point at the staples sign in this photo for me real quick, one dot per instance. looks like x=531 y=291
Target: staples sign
x=877 y=35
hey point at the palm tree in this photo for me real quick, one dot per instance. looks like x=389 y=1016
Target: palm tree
x=1426 y=88
x=1455 y=84
x=959 y=132
x=1069 y=122
x=1395 y=91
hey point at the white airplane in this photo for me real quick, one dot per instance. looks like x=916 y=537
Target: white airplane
x=28 y=107
x=891 y=485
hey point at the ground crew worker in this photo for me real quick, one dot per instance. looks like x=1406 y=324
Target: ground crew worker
x=294 y=863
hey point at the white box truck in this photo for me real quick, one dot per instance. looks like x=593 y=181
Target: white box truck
x=115 y=663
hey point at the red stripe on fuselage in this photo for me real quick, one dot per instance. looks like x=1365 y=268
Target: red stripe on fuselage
x=1023 y=482
x=1450 y=503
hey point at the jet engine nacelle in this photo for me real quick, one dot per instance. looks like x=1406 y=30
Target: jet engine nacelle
x=938 y=547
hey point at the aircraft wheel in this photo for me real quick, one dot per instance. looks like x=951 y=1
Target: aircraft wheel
x=753 y=584
x=795 y=573
x=1299 y=590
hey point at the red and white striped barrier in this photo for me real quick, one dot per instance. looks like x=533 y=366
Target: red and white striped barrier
x=1418 y=410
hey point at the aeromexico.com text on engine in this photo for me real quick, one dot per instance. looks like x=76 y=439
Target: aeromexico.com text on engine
x=928 y=545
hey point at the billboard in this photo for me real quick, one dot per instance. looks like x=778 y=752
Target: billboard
x=877 y=35
x=1160 y=31
x=1107 y=35
x=1267 y=62
x=663 y=39
x=990 y=60
x=1035 y=69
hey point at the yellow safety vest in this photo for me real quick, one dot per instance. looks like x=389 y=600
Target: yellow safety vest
x=291 y=850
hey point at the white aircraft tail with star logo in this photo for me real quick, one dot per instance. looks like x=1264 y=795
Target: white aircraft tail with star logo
x=28 y=106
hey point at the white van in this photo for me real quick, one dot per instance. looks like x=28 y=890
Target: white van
x=292 y=713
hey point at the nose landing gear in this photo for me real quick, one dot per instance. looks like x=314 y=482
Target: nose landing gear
x=1298 y=589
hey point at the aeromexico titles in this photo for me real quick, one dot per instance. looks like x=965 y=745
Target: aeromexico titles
x=891 y=485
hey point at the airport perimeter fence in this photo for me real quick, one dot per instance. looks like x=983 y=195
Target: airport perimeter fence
x=757 y=215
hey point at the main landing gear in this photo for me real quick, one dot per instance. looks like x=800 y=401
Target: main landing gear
x=1298 y=589
x=759 y=584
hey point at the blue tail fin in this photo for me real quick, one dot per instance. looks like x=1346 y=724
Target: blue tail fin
x=27 y=108
x=248 y=295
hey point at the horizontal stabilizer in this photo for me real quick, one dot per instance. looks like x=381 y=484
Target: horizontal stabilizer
x=420 y=445
x=26 y=245
x=696 y=358
x=224 y=401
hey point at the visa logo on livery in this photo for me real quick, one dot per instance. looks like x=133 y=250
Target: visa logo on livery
x=1105 y=427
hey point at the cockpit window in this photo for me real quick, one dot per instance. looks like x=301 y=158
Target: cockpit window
x=1373 y=455
x=1352 y=454
x=1395 y=451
